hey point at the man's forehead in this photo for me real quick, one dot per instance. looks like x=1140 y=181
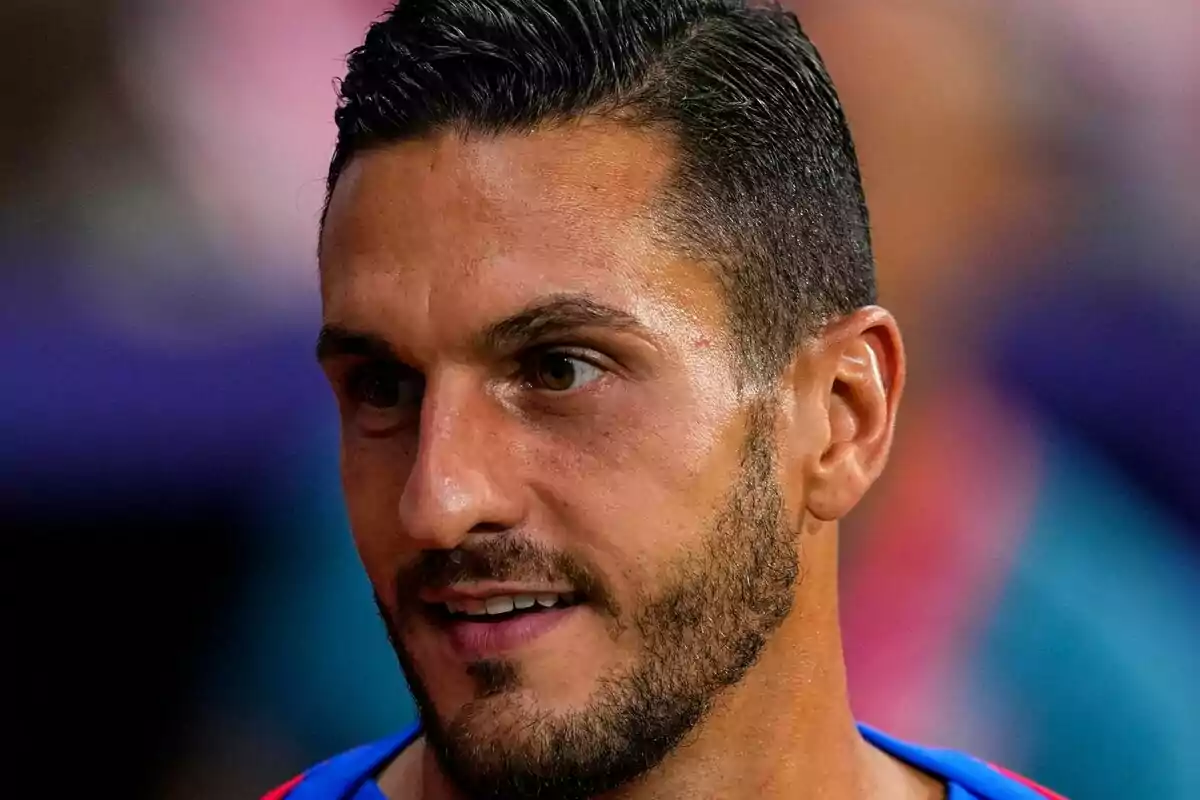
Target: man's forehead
x=467 y=230
x=495 y=316
x=588 y=171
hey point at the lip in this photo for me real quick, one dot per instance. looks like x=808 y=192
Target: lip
x=485 y=590
x=472 y=641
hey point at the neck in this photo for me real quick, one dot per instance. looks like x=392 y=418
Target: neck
x=785 y=731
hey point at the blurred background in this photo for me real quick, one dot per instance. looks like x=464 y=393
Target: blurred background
x=184 y=610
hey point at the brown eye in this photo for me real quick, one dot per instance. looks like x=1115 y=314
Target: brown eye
x=383 y=386
x=560 y=372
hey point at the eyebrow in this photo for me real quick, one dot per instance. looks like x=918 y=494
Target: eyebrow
x=334 y=341
x=556 y=316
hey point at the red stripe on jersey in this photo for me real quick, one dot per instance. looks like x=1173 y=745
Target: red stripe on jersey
x=1042 y=790
x=282 y=791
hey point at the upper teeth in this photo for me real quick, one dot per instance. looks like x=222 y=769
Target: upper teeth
x=504 y=603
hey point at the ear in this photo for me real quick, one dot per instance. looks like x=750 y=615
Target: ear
x=857 y=372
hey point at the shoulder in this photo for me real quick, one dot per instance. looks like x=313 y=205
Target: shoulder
x=1041 y=791
x=982 y=780
x=280 y=792
x=338 y=776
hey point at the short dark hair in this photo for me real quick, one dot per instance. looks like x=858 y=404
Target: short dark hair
x=766 y=186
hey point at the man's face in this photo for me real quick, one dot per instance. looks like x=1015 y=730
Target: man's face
x=569 y=512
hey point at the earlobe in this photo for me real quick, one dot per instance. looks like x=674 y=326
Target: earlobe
x=862 y=372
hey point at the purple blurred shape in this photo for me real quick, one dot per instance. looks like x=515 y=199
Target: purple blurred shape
x=1118 y=361
x=85 y=411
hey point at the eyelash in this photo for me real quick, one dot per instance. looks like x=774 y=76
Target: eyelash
x=528 y=362
x=356 y=378
x=357 y=383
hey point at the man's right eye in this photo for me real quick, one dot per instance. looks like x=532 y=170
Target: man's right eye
x=381 y=386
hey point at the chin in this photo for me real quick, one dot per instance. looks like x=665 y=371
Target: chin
x=555 y=665
x=526 y=688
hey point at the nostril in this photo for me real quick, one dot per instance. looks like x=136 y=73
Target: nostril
x=489 y=527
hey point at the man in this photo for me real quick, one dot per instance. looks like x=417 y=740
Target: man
x=599 y=316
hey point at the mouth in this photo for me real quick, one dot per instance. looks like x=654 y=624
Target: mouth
x=500 y=608
x=482 y=627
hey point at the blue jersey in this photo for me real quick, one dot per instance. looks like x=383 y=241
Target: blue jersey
x=351 y=776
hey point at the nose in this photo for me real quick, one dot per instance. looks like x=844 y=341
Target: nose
x=460 y=482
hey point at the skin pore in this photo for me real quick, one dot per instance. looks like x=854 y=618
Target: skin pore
x=536 y=391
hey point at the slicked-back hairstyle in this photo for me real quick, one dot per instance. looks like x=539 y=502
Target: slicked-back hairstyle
x=766 y=186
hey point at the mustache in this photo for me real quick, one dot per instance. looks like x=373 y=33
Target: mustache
x=503 y=559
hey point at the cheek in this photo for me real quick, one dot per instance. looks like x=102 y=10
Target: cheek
x=640 y=484
x=372 y=483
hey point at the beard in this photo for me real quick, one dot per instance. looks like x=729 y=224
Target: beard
x=700 y=633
